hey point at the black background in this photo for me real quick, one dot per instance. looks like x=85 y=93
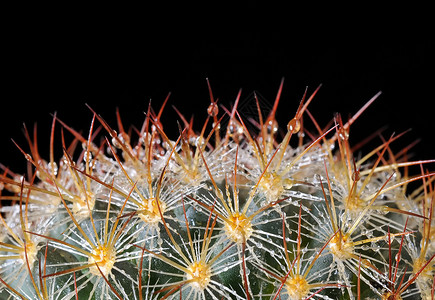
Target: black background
x=59 y=62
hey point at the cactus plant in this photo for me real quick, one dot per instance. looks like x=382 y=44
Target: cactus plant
x=225 y=212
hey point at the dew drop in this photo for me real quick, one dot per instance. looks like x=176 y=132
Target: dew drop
x=52 y=168
x=212 y=110
x=109 y=151
x=355 y=176
x=272 y=126
x=343 y=134
x=231 y=127
x=115 y=142
x=294 y=125
x=124 y=138
x=86 y=155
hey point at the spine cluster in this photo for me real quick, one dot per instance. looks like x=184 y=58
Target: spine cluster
x=222 y=212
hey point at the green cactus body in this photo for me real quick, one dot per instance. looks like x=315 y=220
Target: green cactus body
x=225 y=213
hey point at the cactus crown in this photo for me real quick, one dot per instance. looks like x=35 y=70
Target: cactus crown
x=219 y=213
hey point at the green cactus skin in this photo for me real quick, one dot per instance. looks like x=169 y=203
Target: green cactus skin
x=219 y=213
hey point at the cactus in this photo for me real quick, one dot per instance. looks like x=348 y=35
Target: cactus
x=225 y=212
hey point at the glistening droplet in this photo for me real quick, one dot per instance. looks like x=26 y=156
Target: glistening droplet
x=294 y=125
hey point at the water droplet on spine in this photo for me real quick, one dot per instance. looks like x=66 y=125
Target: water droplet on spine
x=124 y=138
x=115 y=142
x=355 y=176
x=343 y=134
x=52 y=168
x=218 y=125
x=294 y=125
x=212 y=110
x=28 y=157
x=272 y=126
